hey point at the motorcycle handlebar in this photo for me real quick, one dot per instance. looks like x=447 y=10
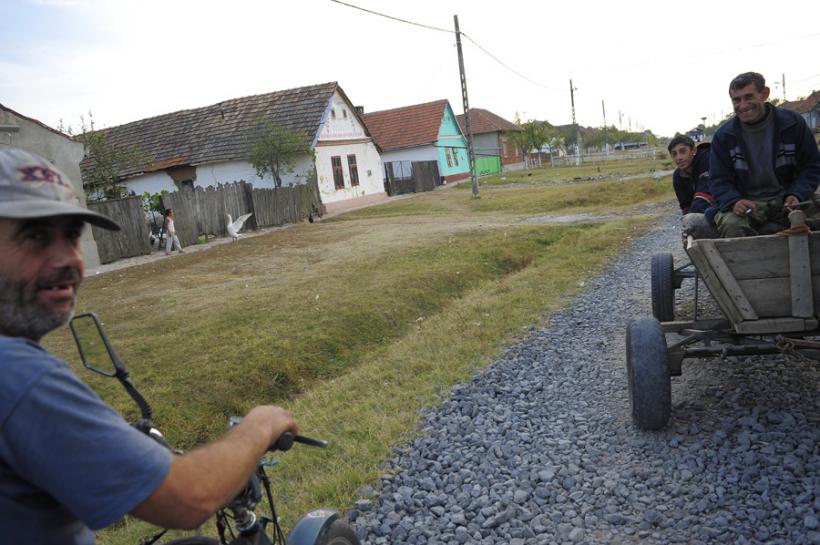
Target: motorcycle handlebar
x=286 y=440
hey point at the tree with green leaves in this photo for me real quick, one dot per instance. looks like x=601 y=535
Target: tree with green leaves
x=102 y=180
x=533 y=135
x=273 y=149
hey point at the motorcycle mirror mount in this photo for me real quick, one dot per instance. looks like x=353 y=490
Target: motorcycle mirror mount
x=97 y=354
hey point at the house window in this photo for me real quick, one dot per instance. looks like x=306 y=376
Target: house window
x=354 y=171
x=332 y=113
x=449 y=157
x=338 y=174
x=344 y=113
x=455 y=156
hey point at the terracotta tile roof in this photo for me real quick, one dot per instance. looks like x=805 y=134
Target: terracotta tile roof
x=484 y=121
x=806 y=105
x=406 y=127
x=217 y=132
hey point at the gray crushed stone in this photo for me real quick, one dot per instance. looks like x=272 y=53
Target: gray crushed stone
x=540 y=449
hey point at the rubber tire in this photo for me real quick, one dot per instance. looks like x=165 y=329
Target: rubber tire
x=338 y=533
x=650 y=385
x=663 y=287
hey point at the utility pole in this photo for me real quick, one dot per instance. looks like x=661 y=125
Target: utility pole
x=784 y=87
x=577 y=130
x=470 y=154
x=606 y=146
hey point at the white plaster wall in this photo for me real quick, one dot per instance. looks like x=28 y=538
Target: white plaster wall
x=234 y=171
x=421 y=153
x=220 y=173
x=340 y=123
x=344 y=124
x=369 y=166
x=153 y=182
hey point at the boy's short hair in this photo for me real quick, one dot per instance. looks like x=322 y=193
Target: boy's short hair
x=746 y=78
x=680 y=139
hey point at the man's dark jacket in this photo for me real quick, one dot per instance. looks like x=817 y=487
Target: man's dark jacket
x=796 y=159
x=692 y=189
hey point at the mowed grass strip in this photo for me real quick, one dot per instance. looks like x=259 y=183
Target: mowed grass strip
x=550 y=174
x=354 y=325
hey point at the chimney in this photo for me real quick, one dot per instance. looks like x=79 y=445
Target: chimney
x=359 y=110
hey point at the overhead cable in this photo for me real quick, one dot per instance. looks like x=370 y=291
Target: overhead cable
x=496 y=59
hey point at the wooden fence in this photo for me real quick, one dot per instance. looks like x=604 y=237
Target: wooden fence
x=132 y=239
x=201 y=211
x=425 y=177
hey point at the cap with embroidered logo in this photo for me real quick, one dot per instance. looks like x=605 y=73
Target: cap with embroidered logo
x=31 y=187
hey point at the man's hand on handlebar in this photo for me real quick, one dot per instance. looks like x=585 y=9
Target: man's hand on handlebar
x=279 y=421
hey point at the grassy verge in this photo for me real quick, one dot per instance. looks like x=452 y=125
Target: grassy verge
x=593 y=197
x=354 y=324
x=602 y=169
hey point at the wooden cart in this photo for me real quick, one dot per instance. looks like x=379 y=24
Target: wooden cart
x=767 y=289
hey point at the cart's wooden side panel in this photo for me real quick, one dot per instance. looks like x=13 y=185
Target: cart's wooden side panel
x=755 y=257
x=762 y=284
x=719 y=279
x=802 y=301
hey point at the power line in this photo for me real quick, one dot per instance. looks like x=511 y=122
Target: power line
x=394 y=18
x=496 y=59
x=499 y=61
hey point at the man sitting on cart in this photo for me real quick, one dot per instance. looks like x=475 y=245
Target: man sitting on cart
x=691 y=183
x=763 y=162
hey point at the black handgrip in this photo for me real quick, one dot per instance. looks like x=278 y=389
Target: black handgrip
x=310 y=441
x=287 y=439
x=284 y=442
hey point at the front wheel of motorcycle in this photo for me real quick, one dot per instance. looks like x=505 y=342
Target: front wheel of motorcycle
x=194 y=540
x=338 y=533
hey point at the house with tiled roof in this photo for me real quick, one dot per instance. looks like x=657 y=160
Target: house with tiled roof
x=495 y=151
x=209 y=145
x=422 y=132
x=809 y=108
x=27 y=133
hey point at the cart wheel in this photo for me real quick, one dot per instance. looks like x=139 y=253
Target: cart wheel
x=663 y=287
x=650 y=387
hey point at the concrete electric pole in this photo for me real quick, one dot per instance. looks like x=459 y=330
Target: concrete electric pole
x=577 y=130
x=470 y=153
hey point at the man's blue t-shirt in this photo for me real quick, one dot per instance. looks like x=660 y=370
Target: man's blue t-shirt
x=69 y=463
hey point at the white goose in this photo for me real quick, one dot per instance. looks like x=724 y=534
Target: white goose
x=235 y=226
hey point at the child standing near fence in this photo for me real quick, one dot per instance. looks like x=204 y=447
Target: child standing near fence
x=171 y=238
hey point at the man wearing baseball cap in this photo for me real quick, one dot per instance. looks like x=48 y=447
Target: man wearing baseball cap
x=69 y=463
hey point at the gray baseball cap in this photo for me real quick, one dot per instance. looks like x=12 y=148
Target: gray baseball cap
x=31 y=187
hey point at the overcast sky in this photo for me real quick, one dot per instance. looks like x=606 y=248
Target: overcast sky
x=662 y=65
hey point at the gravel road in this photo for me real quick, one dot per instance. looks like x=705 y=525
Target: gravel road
x=540 y=448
